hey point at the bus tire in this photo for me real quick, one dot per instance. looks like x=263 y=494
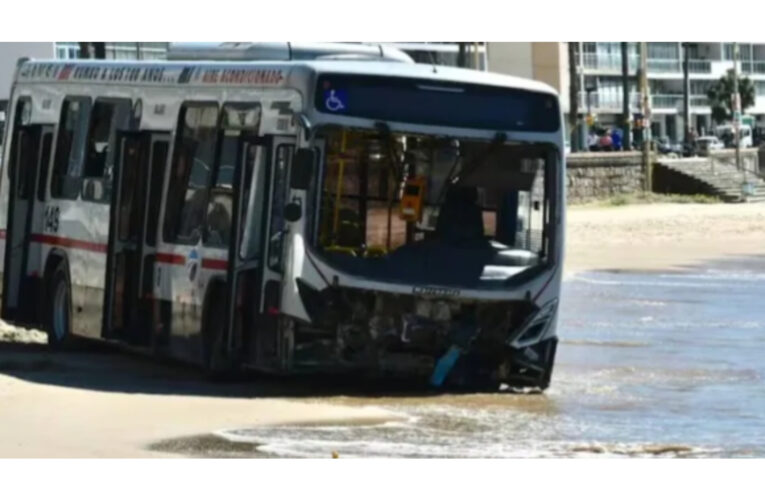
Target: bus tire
x=58 y=321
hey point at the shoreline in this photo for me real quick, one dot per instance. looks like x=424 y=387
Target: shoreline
x=110 y=404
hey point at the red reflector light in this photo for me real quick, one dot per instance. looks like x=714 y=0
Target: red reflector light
x=273 y=311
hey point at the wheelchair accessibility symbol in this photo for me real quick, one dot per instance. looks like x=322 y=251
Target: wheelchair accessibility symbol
x=334 y=100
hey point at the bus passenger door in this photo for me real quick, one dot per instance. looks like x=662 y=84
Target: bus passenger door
x=31 y=148
x=136 y=194
x=271 y=345
x=245 y=263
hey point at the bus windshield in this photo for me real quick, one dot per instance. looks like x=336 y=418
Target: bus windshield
x=433 y=210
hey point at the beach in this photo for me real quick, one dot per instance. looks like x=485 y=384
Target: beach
x=102 y=403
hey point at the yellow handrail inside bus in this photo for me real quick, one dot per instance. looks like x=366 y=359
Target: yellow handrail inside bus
x=338 y=190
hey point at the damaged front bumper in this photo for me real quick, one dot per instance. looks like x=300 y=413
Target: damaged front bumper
x=447 y=342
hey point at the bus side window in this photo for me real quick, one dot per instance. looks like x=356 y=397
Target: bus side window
x=193 y=159
x=108 y=117
x=70 y=147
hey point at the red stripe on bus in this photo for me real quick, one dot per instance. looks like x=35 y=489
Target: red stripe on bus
x=49 y=239
x=2 y=234
x=170 y=258
x=217 y=264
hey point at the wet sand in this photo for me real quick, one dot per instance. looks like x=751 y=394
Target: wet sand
x=100 y=403
x=97 y=402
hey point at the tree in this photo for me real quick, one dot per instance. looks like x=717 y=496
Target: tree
x=721 y=96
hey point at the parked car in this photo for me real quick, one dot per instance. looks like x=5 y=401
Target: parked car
x=666 y=147
x=708 y=143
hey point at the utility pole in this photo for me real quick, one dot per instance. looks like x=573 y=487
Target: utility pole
x=736 y=107
x=584 y=128
x=461 y=55
x=686 y=94
x=626 y=133
x=574 y=119
x=646 y=116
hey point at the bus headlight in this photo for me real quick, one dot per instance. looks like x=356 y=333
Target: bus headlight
x=534 y=328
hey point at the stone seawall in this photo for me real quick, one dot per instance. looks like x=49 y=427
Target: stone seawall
x=600 y=175
x=591 y=176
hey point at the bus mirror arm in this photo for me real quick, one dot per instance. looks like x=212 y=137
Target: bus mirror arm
x=305 y=124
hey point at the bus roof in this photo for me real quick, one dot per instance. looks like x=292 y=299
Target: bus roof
x=249 y=73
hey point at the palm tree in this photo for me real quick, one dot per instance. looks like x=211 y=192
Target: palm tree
x=721 y=96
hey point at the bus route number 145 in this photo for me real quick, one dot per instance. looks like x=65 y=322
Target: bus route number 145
x=51 y=219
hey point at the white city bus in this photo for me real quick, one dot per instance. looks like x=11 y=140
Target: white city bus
x=383 y=219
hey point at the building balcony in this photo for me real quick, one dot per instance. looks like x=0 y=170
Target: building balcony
x=608 y=62
x=612 y=63
x=664 y=66
x=699 y=66
x=612 y=102
x=699 y=101
x=666 y=101
x=757 y=67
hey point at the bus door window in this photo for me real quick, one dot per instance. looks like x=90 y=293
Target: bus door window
x=70 y=147
x=220 y=203
x=238 y=121
x=42 y=180
x=107 y=118
x=255 y=196
x=278 y=224
x=191 y=169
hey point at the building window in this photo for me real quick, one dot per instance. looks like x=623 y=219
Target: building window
x=191 y=167
x=70 y=147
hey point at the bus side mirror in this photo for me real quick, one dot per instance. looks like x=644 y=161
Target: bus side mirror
x=302 y=169
x=293 y=212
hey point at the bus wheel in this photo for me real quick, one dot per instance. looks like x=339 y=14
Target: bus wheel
x=59 y=307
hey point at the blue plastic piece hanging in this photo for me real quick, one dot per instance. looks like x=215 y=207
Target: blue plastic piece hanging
x=444 y=366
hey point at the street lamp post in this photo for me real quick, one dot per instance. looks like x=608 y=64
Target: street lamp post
x=736 y=107
x=589 y=90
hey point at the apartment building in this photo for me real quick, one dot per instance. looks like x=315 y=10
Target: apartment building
x=708 y=61
x=601 y=67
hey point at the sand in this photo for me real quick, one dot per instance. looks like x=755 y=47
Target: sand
x=102 y=403
x=661 y=236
